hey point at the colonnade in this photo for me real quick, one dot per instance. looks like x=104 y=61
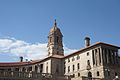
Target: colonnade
x=104 y=56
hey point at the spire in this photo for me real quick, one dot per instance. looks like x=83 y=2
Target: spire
x=55 y=24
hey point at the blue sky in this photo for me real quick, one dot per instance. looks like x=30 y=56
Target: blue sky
x=29 y=23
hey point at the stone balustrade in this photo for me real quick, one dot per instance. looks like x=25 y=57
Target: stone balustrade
x=16 y=75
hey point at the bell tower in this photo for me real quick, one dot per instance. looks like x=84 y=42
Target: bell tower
x=55 y=45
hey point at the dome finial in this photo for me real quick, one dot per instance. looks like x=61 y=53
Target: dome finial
x=55 y=23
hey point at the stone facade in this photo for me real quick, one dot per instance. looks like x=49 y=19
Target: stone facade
x=99 y=61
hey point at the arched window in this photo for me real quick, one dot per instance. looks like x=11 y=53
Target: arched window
x=78 y=74
x=78 y=66
x=89 y=74
x=50 y=39
x=88 y=62
x=87 y=53
x=73 y=59
x=78 y=57
x=68 y=60
x=98 y=74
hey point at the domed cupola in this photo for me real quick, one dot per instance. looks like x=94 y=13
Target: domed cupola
x=55 y=29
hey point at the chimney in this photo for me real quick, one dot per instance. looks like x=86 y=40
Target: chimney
x=87 y=41
x=21 y=59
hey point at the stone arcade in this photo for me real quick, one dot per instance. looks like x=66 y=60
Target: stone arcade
x=99 y=61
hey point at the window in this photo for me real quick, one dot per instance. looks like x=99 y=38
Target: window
x=73 y=75
x=88 y=54
x=88 y=62
x=68 y=60
x=115 y=74
x=57 y=39
x=108 y=72
x=50 y=39
x=98 y=74
x=57 y=52
x=73 y=59
x=9 y=69
x=73 y=67
x=30 y=68
x=89 y=74
x=78 y=74
x=78 y=66
x=16 y=69
x=78 y=57
x=68 y=68
x=23 y=69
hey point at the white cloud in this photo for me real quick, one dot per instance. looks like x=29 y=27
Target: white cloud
x=27 y=50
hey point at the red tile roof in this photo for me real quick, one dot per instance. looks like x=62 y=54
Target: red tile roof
x=14 y=64
x=25 y=63
x=54 y=56
x=98 y=43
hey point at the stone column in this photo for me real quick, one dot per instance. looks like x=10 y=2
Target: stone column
x=95 y=54
x=113 y=57
x=107 y=56
x=116 y=57
x=101 y=52
x=98 y=61
x=112 y=62
x=33 y=68
x=104 y=58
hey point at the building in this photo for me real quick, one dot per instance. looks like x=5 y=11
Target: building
x=99 y=61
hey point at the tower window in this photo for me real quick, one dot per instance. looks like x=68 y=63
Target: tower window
x=57 y=39
x=50 y=39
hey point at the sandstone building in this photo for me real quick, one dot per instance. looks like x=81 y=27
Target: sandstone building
x=99 y=61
